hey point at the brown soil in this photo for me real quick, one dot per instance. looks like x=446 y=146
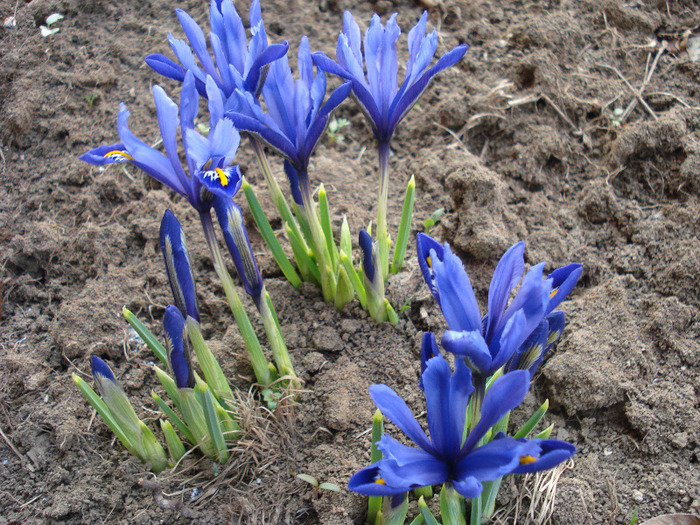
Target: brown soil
x=519 y=141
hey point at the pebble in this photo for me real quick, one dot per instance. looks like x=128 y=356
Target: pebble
x=638 y=496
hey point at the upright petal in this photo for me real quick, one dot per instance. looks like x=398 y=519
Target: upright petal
x=507 y=274
x=396 y=410
x=506 y=393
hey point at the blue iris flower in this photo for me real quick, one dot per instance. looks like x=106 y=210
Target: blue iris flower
x=378 y=93
x=296 y=117
x=208 y=158
x=235 y=64
x=445 y=456
x=488 y=344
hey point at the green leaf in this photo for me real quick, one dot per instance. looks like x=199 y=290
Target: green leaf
x=309 y=479
x=329 y=486
x=172 y=416
x=145 y=334
x=532 y=422
x=425 y=512
x=404 y=226
x=432 y=220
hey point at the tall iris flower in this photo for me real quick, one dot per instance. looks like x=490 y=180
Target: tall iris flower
x=235 y=64
x=445 y=456
x=208 y=158
x=296 y=117
x=490 y=342
x=383 y=101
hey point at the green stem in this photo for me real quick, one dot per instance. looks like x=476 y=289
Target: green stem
x=257 y=357
x=382 y=235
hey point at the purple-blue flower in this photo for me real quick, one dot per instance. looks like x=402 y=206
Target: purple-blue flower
x=296 y=116
x=383 y=101
x=235 y=64
x=177 y=345
x=489 y=343
x=208 y=158
x=177 y=265
x=444 y=456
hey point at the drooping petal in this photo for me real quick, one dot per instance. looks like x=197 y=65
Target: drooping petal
x=257 y=75
x=166 y=67
x=468 y=487
x=396 y=410
x=368 y=482
x=495 y=459
x=531 y=351
x=506 y=393
x=563 y=281
x=472 y=347
x=177 y=265
x=106 y=154
x=424 y=246
x=551 y=452
x=318 y=126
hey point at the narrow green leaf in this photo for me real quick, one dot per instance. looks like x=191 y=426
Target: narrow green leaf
x=545 y=433
x=326 y=225
x=145 y=334
x=532 y=422
x=269 y=236
x=425 y=512
x=175 y=447
x=432 y=220
x=404 y=226
x=451 y=506
x=329 y=486
x=206 y=399
x=374 y=503
x=307 y=266
x=102 y=409
x=345 y=237
x=172 y=416
x=354 y=277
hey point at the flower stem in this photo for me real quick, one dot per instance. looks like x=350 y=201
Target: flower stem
x=257 y=358
x=382 y=235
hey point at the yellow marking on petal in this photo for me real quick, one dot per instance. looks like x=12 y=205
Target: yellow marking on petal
x=524 y=460
x=380 y=481
x=223 y=178
x=118 y=153
x=553 y=292
x=430 y=263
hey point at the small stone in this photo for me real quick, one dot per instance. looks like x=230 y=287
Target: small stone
x=680 y=440
x=638 y=496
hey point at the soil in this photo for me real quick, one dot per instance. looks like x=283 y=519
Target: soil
x=519 y=141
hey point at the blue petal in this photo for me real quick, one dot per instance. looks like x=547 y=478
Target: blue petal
x=368 y=482
x=551 y=453
x=318 y=126
x=495 y=459
x=274 y=139
x=446 y=398
x=472 y=347
x=166 y=67
x=563 y=281
x=429 y=349
x=293 y=177
x=197 y=41
x=215 y=103
x=149 y=160
x=367 y=247
x=353 y=37
x=402 y=105
x=234 y=34
x=396 y=410
x=236 y=237
x=101 y=369
x=178 y=347
x=388 y=66
x=512 y=336
x=468 y=487
x=177 y=265
x=424 y=245
x=258 y=70
x=507 y=274
x=530 y=352
x=168 y=123
x=106 y=154
x=506 y=393
x=456 y=295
